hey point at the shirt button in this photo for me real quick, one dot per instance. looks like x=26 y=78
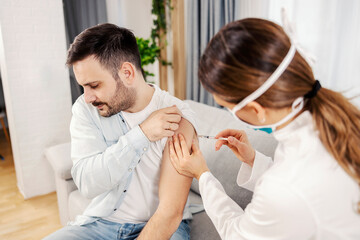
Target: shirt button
x=115 y=209
x=139 y=161
x=129 y=169
x=124 y=190
x=144 y=149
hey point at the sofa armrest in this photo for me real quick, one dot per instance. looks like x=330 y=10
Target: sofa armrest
x=59 y=157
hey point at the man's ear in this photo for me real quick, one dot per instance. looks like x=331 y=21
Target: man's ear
x=259 y=110
x=127 y=73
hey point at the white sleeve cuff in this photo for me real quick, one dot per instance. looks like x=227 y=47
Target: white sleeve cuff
x=203 y=179
x=138 y=140
x=248 y=176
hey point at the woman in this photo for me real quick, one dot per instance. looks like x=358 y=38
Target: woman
x=311 y=190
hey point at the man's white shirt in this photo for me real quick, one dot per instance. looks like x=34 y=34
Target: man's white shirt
x=142 y=198
x=115 y=164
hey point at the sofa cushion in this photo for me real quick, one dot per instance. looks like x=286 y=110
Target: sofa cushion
x=60 y=160
x=77 y=204
x=223 y=164
x=201 y=225
x=202 y=228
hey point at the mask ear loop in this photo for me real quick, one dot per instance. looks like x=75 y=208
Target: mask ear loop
x=296 y=107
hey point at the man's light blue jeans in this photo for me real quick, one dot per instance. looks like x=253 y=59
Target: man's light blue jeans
x=103 y=229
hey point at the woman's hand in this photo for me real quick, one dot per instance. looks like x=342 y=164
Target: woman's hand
x=190 y=165
x=238 y=143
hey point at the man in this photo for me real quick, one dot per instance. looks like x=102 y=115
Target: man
x=119 y=131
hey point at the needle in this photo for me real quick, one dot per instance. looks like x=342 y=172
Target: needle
x=212 y=137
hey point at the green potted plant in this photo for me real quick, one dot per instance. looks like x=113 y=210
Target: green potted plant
x=149 y=52
x=149 y=48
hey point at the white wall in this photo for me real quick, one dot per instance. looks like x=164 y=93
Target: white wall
x=329 y=30
x=36 y=87
x=136 y=15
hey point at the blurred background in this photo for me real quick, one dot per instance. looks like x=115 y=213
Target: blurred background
x=37 y=89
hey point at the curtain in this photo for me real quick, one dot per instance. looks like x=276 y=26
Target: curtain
x=79 y=15
x=329 y=30
x=2 y=100
x=205 y=18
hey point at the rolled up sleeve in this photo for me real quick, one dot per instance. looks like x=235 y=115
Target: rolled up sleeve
x=97 y=167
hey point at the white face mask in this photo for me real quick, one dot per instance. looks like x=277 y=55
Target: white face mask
x=297 y=105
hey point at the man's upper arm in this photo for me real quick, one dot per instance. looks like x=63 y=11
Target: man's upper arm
x=173 y=187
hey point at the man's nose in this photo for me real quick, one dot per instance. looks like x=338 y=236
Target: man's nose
x=89 y=97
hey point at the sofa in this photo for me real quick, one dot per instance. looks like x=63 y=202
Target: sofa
x=223 y=164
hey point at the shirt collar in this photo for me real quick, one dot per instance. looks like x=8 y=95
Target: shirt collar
x=304 y=120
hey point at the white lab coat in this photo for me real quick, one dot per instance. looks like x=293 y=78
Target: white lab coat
x=304 y=194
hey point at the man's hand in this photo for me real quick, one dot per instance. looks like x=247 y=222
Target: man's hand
x=161 y=123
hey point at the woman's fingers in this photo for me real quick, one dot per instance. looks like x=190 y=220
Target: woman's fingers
x=236 y=144
x=177 y=147
x=219 y=144
x=173 y=155
x=175 y=161
x=238 y=134
x=226 y=133
x=184 y=147
x=233 y=141
x=195 y=145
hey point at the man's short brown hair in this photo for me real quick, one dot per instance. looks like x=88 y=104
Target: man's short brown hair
x=109 y=44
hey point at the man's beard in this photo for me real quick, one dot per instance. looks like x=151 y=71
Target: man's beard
x=123 y=99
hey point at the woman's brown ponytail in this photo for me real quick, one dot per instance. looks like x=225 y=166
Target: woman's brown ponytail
x=338 y=122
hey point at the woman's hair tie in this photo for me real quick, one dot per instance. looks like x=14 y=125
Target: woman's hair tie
x=314 y=90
